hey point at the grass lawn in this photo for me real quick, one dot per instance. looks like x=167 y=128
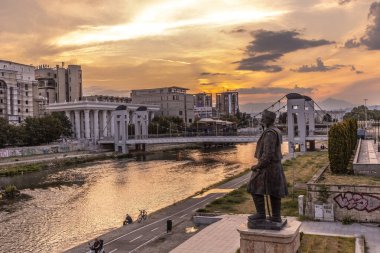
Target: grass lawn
x=329 y=178
x=326 y=244
x=240 y=202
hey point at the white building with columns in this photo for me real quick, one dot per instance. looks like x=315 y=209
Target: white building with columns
x=93 y=120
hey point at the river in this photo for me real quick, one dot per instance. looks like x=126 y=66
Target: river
x=68 y=207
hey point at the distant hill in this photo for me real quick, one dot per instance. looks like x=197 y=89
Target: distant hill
x=335 y=104
x=327 y=104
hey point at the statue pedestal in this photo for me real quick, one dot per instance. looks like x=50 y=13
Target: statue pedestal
x=286 y=240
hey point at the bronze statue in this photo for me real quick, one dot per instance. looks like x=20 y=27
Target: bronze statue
x=267 y=176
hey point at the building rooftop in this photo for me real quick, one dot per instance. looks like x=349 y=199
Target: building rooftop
x=169 y=87
x=11 y=62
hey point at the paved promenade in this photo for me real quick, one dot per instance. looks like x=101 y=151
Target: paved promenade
x=134 y=237
x=223 y=237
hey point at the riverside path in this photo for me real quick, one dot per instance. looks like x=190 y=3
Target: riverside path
x=133 y=237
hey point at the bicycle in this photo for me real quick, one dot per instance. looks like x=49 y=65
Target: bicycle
x=142 y=216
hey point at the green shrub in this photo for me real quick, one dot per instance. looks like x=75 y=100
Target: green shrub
x=11 y=191
x=342 y=142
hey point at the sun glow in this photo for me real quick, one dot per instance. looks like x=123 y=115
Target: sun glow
x=162 y=19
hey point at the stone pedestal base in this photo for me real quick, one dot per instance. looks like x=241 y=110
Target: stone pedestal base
x=286 y=240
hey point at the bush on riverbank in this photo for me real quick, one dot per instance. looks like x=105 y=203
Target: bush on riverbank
x=10 y=192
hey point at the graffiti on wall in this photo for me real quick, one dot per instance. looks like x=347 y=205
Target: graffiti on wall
x=358 y=201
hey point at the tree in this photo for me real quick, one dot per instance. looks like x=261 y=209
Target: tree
x=166 y=124
x=327 y=118
x=64 y=124
x=283 y=118
x=4 y=126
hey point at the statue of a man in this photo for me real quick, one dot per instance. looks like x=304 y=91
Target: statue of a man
x=268 y=176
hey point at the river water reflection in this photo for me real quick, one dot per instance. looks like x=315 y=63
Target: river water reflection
x=75 y=205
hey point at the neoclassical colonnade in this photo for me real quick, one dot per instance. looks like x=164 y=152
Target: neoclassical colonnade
x=94 y=120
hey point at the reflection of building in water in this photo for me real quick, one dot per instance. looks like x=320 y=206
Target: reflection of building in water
x=16 y=91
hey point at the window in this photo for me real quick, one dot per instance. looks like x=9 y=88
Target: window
x=1 y=91
x=18 y=102
x=26 y=94
x=190 y=120
x=1 y=110
x=180 y=113
x=27 y=110
x=26 y=86
x=295 y=107
x=19 y=110
x=26 y=102
x=1 y=101
x=55 y=75
x=2 y=73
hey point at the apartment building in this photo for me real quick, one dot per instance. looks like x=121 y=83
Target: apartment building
x=227 y=103
x=59 y=84
x=173 y=101
x=16 y=91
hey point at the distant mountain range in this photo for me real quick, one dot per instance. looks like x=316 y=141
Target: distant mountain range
x=327 y=104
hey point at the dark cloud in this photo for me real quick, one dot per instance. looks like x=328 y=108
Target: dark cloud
x=371 y=38
x=352 y=43
x=208 y=84
x=318 y=67
x=239 y=30
x=212 y=74
x=270 y=46
x=274 y=90
x=343 y=2
x=260 y=63
x=321 y=67
x=281 y=42
x=353 y=68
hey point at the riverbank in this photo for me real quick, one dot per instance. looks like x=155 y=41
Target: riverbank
x=57 y=161
x=12 y=166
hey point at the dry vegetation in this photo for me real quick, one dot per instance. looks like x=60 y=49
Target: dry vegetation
x=239 y=201
x=326 y=244
x=329 y=178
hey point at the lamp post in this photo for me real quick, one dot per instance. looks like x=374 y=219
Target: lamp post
x=365 y=113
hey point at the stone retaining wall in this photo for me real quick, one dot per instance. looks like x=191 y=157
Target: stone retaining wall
x=47 y=149
x=355 y=202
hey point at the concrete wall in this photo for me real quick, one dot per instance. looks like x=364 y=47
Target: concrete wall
x=41 y=150
x=357 y=202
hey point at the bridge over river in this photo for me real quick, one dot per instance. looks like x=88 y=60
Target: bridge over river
x=200 y=139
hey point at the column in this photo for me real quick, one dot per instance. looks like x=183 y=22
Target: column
x=104 y=123
x=96 y=125
x=112 y=124
x=77 y=123
x=87 y=124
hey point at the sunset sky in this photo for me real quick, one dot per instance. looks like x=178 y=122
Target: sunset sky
x=264 y=49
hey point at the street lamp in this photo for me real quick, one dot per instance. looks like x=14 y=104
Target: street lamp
x=365 y=113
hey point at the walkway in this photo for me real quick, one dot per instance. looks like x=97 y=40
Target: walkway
x=223 y=237
x=133 y=237
x=368 y=153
